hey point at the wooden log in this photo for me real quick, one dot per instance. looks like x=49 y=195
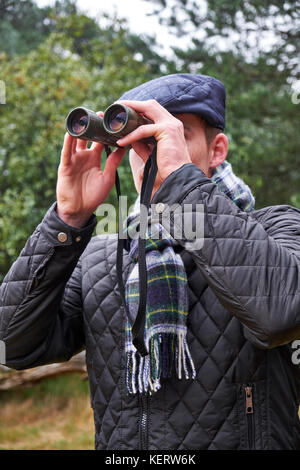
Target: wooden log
x=15 y=379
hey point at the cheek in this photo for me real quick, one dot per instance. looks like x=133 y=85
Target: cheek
x=135 y=161
x=199 y=155
x=197 y=151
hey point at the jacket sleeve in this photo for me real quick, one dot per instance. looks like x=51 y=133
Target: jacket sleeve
x=250 y=260
x=40 y=297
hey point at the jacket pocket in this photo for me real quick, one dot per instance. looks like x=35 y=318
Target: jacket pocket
x=252 y=415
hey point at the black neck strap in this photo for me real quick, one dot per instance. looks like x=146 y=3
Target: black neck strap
x=138 y=326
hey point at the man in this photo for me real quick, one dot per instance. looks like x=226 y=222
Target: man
x=243 y=290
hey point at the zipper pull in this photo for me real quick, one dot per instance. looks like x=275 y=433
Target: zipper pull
x=249 y=400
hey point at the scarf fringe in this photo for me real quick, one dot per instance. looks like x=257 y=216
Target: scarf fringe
x=167 y=351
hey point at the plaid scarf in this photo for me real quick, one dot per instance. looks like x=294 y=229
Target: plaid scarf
x=233 y=186
x=167 y=298
x=167 y=310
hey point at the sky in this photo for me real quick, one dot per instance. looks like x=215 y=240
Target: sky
x=135 y=11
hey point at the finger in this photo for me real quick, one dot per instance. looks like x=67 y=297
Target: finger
x=113 y=162
x=143 y=150
x=81 y=144
x=150 y=108
x=98 y=146
x=142 y=132
x=97 y=149
x=74 y=145
x=66 y=152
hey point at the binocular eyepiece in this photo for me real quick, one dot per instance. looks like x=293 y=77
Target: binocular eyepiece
x=118 y=120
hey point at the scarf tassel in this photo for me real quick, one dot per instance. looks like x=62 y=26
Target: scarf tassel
x=168 y=352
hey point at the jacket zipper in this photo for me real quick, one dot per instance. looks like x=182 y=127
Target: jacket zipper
x=250 y=416
x=144 y=422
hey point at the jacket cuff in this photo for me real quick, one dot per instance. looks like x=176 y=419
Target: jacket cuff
x=179 y=183
x=58 y=233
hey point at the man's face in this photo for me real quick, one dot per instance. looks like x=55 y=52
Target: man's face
x=194 y=134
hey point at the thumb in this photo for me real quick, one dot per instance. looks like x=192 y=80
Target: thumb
x=112 y=162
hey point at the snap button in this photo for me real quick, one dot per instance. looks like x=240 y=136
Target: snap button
x=62 y=237
x=159 y=207
x=78 y=239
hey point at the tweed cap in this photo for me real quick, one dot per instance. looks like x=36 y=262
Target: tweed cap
x=185 y=93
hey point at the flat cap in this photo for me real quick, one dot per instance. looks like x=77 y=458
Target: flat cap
x=185 y=93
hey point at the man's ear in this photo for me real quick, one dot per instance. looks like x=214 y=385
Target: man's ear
x=218 y=150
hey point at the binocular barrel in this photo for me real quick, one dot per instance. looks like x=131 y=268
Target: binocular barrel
x=118 y=120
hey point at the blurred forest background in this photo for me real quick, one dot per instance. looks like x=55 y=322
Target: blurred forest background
x=54 y=58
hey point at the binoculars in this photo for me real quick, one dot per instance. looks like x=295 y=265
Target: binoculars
x=118 y=120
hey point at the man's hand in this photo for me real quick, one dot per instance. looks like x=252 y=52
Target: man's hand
x=82 y=185
x=172 y=151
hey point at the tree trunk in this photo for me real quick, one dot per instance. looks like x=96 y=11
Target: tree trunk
x=10 y=380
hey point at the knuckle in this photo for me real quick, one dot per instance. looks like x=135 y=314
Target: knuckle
x=179 y=125
x=152 y=102
x=175 y=126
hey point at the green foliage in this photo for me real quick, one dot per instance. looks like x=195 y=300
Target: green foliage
x=252 y=47
x=23 y=25
x=59 y=388
x=41 y=87
x=55 y=58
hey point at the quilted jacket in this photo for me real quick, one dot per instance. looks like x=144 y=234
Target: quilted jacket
x=60 y=297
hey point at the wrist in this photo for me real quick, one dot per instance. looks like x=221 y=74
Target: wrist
x=73 y=220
